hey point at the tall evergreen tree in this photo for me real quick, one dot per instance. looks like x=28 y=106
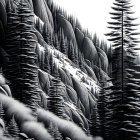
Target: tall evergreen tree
x=123 y=98
x=20 y=45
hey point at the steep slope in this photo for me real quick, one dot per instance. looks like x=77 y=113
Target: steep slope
x=50 y=63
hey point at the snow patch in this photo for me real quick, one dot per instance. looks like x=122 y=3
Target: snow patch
x=72 y=106
x=41 y=48
x=63 y=62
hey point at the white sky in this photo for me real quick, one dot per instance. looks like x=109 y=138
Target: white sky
x=94 y=14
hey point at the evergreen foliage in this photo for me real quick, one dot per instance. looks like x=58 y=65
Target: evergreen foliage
x=13 y=128
x=123 y=98
x=1 y=111
x=55 y=100
x=53 y=130
x=20 y=45
x=46 y=62
x=94 y=124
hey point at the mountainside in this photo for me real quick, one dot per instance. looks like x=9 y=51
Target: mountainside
x=49 y=64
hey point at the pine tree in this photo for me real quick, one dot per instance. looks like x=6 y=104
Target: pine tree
x=95 y=40
x=56 y=42
x=94 y=125
x=81 y=61
x=63 y=44
x=55 y=100
x=55 y=72
x=62 y=41
x=66 y=45
x=53 y=130
x=20 y=45
x=13 y=128
x=47 y=35
x=46 y=66
x=124 y=42
x=1 y=111
x=76 y=56
x=51 y=62
x=122 y=36
x=73 y=53
x=104 y=112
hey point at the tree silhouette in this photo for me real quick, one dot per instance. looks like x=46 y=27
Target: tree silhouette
x=124 y=42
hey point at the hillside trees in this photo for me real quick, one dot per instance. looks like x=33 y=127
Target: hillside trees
x=123 y=98
x=55 y=100
x=13 y=128
x=94 y=124
x=23 y=68
x=104 y=113
x=20 y=45
x=96 y=40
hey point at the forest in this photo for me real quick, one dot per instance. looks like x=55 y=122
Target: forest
x=58 y=81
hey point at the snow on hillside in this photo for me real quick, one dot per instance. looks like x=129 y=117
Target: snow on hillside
x=65 y=63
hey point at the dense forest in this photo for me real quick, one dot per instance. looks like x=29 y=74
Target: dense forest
x=60 y=82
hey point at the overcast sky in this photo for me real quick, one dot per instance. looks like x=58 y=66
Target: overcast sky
x=94 y=14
